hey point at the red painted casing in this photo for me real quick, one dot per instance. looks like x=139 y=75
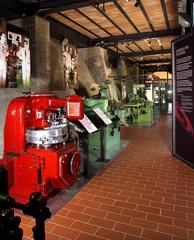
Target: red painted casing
x=38 y=169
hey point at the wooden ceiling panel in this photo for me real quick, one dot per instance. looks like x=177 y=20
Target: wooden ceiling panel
x=133 y=47
x=68 y=23
x=172 y=11
x=155 y=13
x=155 y=44
x=143 y=45
x=77 y=17
x=125 y=49
x=135 y=15
x=113 y=12
x=115 y=49
x=101 y=20
x=166 y=42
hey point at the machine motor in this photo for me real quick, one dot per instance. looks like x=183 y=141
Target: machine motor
x=40 y=151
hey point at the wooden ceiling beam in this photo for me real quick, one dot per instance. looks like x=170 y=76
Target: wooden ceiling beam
x=138 y=36
x=79 y=25
x=53 y=6
x=91 y=20
x=61 y=31
x=155 y=52
x=138 y=46
x=131 y=50
x=103 y=13
x=146 y=15
x=126 y=16
x=163 y=4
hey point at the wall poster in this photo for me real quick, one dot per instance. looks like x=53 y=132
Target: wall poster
x=183 y=118
x=70 y=62
x=14 y=57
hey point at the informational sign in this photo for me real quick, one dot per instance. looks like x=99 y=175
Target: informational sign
x=102 y=115
x=183 y=118
x=88 y=125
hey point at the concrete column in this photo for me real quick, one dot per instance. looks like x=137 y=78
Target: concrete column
x=40 y=52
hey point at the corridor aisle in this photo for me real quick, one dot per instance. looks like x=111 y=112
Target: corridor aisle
x=145 y=193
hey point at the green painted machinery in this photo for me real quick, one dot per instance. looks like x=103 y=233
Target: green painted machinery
x=111 y=132
x=141 y=110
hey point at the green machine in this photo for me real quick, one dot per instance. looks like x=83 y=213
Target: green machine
x=111 y=132
x=141 y=110
x=108 y=135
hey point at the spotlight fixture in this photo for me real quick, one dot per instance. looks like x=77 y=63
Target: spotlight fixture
x=124 y=44
x=100 y=44
x=136 y=3
x=159 y=42
x=148 y=42
x=96 y=3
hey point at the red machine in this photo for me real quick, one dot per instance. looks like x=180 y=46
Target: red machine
x=39 y=151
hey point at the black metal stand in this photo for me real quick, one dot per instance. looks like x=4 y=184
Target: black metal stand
x=102 y=144
x=85 y=142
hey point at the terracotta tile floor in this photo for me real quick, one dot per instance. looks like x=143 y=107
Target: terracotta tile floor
x=144 y=193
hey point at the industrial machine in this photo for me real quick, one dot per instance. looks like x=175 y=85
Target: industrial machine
x=40 y=151
x=111 y=131
x=107 y=138
x=141 y=109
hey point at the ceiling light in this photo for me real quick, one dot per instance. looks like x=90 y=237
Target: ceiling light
x=148 y=42
x=96 y=3
x=159 y=42
x=124 y=44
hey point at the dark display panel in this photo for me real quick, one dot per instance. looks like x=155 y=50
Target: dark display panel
x=183 y=121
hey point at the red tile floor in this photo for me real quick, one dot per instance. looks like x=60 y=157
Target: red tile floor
x=144 y=193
